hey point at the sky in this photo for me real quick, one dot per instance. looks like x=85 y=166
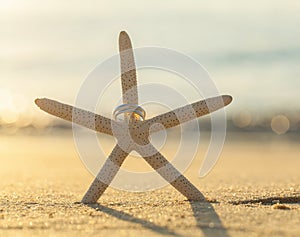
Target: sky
x=250 y=48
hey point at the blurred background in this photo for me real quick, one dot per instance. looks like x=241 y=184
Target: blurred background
x=250 y=48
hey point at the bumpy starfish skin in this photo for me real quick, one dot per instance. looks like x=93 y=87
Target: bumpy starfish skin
x=128 y=70
x=106 y=175
x=188 y=112
x=158 y=162
x=79 y=116
x=133 y=134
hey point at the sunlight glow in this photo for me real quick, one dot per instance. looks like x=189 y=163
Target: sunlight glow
x=5 y=99
x=6 y=3
x=11 y=106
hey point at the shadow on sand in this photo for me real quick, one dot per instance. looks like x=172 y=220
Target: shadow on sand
x=130 y=218
x=208 y=220
x=269 y=200
x=206 y=217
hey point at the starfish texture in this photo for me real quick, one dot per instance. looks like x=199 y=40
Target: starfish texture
x=133 y=132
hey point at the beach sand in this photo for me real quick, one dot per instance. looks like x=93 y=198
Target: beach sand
x=42 y=179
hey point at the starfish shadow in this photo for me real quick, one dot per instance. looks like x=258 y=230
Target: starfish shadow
x=130 y=218
x=208 y=221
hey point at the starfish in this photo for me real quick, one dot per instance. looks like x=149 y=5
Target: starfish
x=132 y=133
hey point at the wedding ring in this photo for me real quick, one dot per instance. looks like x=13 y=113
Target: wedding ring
x=130 y=110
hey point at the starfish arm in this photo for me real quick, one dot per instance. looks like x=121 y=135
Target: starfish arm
x=187 y=113
x=128 y=70
x=76 y=115
x=105 y=175
x=172 y=175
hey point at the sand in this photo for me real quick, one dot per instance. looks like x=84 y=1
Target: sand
x=42 y=179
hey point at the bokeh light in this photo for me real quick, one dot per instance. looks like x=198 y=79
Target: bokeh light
x=280 y=124
x=242 y=119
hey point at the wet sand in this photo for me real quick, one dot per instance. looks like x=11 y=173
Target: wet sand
x=42 y=179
